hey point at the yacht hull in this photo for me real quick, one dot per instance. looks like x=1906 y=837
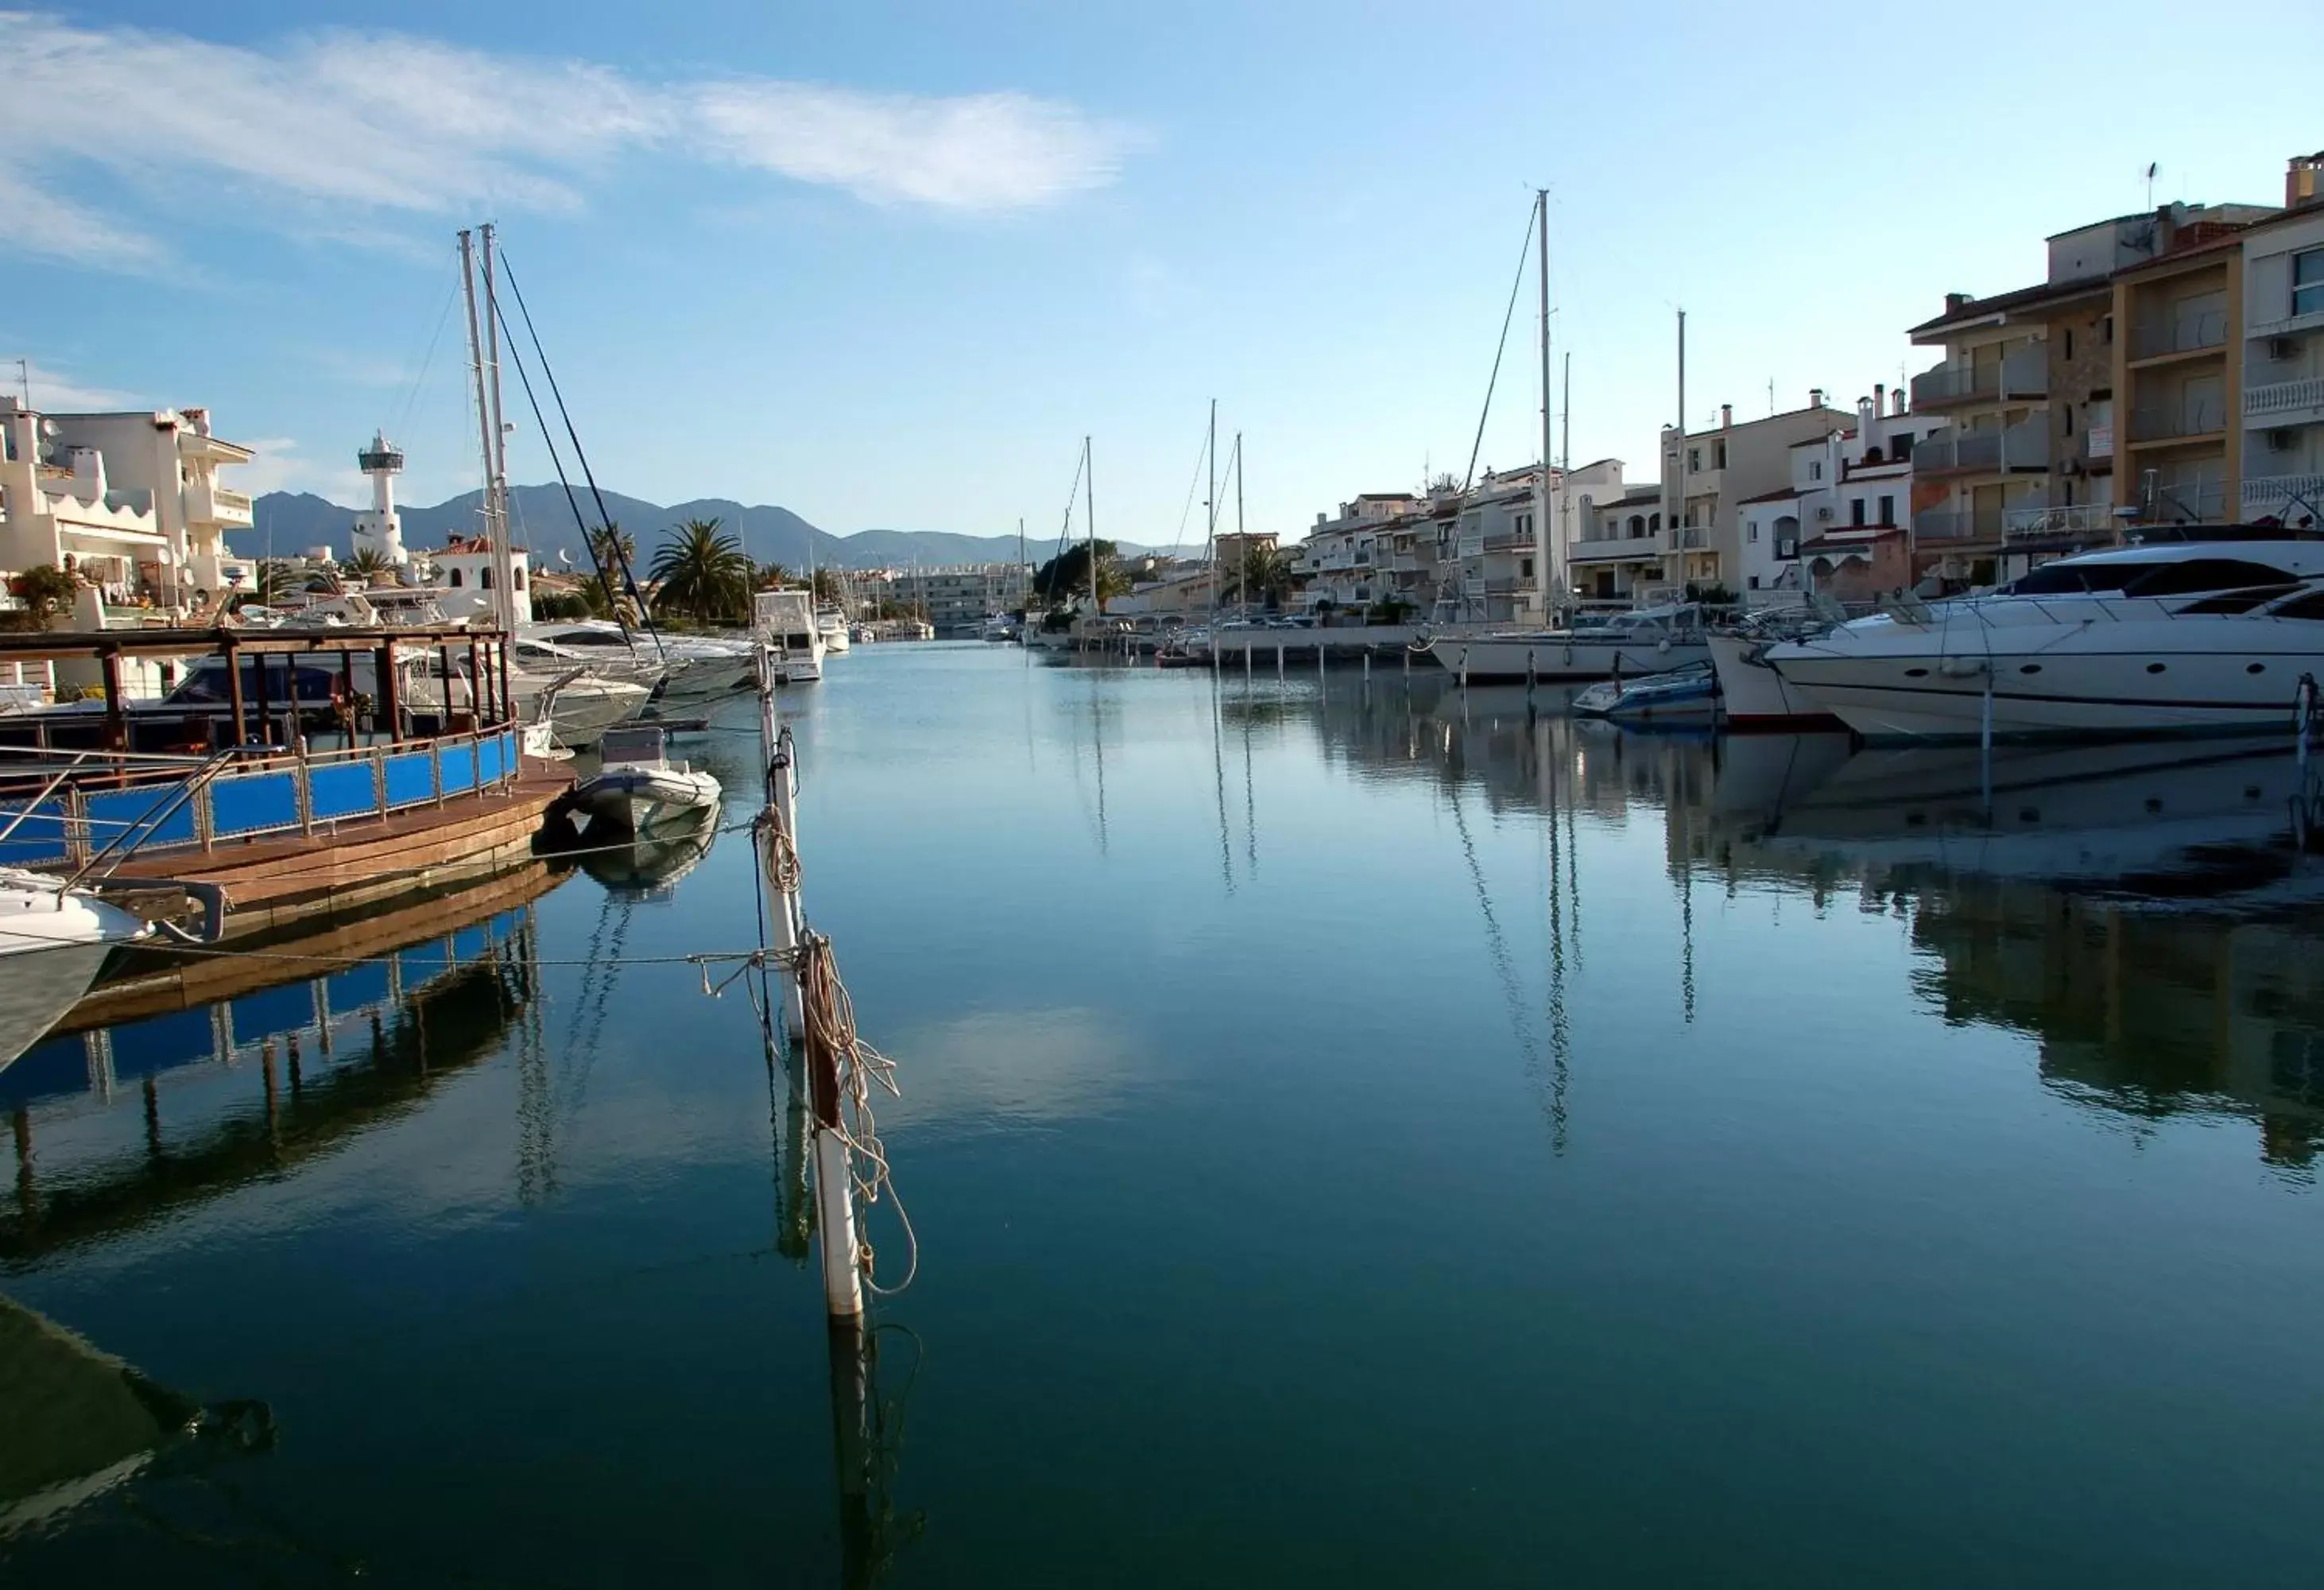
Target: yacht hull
x=1488 y=657
x=1756 y=696
x=2052 y=692
x=52 y=945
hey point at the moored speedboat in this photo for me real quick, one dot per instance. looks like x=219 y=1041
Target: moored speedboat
x=785 y=620
x=53 y=941
x=1652 y=640
x=1752 y=694
x=832 y=624
x=638 y=790
x=2193 y=636
x=1689 y=695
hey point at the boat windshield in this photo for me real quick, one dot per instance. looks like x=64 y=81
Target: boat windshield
x=2178 y=577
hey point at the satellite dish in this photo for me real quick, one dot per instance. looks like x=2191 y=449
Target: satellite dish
x=49 y=428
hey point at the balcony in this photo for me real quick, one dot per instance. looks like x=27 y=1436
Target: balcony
x=2184 y=421
x=2195 y=502
x=2285 y=402
x=1954 y=526
x=1625 y=548
x=2196 y=333
x=2022 y=373
x=2023 y=446
x=2080 y=521
x=209 y=504
x=2273 y=493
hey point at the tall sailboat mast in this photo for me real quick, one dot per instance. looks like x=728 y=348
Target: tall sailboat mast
x=1549 y=551
x=477 y=365
x=1089 y=487
x=496 y=524
x=1211 y=516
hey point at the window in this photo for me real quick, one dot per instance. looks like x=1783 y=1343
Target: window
x=2070 y=342
x=1815 y=469
x=1900 y=447
x=1694 y=460
x=1751 y=532
x=455 y=581
x=518 y=574
x=1856 y=510
x=1718 y=454
x=2308 y=282
x=1887 y=510
x=2106 y=331
x=1525 y=568
x=485 y=576
x=1654 y=524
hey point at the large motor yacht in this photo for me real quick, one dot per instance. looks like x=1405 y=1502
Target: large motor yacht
x=2186 y=635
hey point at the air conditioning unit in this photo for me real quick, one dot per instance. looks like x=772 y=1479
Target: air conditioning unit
x=1824 y=512
x=1787 y=549
x=2281 y=350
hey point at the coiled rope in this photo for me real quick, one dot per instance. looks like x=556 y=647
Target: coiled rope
x=831 y=1026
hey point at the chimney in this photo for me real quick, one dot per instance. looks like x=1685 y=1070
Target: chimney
x=1879 y=398
x=2304 y=180
x=1727 y=416
x=1815 y=397
x=1955 y=302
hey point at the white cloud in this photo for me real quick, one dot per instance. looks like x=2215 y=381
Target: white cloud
x=56 y=391
x=330 y=131
x=280 y=466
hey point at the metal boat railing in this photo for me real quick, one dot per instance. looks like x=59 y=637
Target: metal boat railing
x=242 y=793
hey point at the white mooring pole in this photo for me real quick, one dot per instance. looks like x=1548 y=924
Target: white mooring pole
x=784 y=915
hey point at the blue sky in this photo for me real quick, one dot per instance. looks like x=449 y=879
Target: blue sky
x=886 y=264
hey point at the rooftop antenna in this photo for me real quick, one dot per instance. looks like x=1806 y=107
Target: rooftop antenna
x=24 y=380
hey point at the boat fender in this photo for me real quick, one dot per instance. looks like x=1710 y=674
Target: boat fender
x=1663 y=645
x=1961 y=667
x=1569 y=656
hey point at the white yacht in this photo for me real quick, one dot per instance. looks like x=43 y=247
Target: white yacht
x=833 y=625
x=785 y=620
x=53 y=941
x=2178 y=636
x=695 y=665
x=1752 y=695
x=1649 y=640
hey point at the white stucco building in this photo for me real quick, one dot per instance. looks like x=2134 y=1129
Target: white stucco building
x=1845 y=516
x=2282 y=463
x=132 y=502
x=463 y=570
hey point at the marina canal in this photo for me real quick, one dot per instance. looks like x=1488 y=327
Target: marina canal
x=1357 y=1132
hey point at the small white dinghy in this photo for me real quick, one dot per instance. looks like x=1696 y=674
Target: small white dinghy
x=1689 y=693
x=638 y=790
x=53 y=941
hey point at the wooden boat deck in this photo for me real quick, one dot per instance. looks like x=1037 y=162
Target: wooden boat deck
x=277 y=877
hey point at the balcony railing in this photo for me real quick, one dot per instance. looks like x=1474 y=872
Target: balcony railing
x=2203 y=417
x=2079 y=519
x=1944 y=524
x=2273 y=493
x=2023 y=372
x=2285 y=402
x=1635 y=547
x=2023 y=445
x=2200 y=502
x=2179 y=333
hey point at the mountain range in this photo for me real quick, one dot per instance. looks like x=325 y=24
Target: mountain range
x=290 y=522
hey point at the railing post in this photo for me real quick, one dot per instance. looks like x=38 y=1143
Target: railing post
x=379 y=778
x=299 y=773
x=435 y=759
x=76 y=825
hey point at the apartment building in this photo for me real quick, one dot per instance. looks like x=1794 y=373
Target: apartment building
x=1487 y=558
x=132 y=502
x=1708 y=475
x=2034 y=381
x=1617 y=545
x=1841 y=525
x=2280 y=469
x=956 y=596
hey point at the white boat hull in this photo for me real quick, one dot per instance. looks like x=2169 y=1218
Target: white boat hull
x=53 y=942
x=1755 y=694
x=1486 y=657
x=646 y=801
x=2146 y=682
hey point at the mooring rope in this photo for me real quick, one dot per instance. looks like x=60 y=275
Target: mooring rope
x=831 y=1023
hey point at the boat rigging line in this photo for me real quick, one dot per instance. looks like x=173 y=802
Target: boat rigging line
x=581 y=455
x=1509 y=318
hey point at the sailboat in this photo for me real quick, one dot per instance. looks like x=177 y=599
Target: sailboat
x=1649 y=641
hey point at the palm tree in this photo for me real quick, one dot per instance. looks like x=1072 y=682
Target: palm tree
x=1264 y=573
x=826 y=585
x=274 y=577
x=613 y=546
x=366 y=562
x=771 y=577
x=702 y=570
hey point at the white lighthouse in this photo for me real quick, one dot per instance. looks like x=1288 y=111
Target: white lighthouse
x=380 y=529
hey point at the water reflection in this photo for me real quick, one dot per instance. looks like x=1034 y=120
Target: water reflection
x=2148 y=914
x=353 y=1025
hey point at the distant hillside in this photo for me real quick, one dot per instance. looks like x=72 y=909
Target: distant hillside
x=289 y=523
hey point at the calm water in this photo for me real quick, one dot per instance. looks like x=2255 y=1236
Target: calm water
x=1354 y=1136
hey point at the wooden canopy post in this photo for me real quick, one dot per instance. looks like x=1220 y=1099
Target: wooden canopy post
x=265 y=702
x=348 y=691
x=389 y=690
x=117 y=728
x=233 y=691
